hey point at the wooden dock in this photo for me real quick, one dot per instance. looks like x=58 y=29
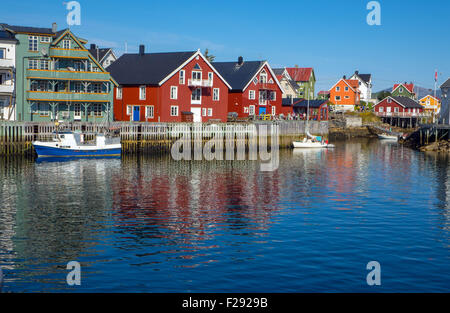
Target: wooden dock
x=16 y=137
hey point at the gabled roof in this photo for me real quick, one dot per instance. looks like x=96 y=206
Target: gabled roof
x=300 y=74
x=446 y=84
x=324 y=92
x=153 y=68
x=352 y=83
x=102 y=52
x=426 y=96
x=7 y=36
x=238 y=76
x=149 y=68
x=364 y=77
x=278 y=71
x=405 y=102
x=409 y=87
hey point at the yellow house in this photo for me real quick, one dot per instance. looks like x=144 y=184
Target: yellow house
x=431 y=104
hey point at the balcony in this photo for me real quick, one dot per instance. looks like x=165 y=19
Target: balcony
x=200 y=83
x=403 y=114
x=68 y=75
x=6 y=89
x=6 y=63
x=67 y=96
x=68 y=53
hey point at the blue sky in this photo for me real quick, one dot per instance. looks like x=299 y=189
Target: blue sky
x=330 y=35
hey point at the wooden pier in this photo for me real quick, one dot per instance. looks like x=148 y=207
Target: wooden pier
x=147 y=138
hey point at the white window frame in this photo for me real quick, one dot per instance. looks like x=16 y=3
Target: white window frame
x=251 y=109
x=203 y=111
x=77 y=108
x=33 y=64
x=196 y=101
x=149 y=111
x=274 y=110
x=261 y=76
x=400 y=90
x=396 y=110
x=45 y=39
x=129 y=109
x=142 y=92
x=216 y=94
x=119 y=92
x=196 y=72
x=338 y=88
x=388 y=109
x=44 y=65
x=251 y=95
x=380 y=109
x=273 y=96
x=4 y=53
x=262 y=97
x=336 y=98
x=172 y=109
x=182 y=77
x=66 y=44
x=77 y=87
x=211 y=77
x=210 y=111
x=33 y=44
x=173 y=92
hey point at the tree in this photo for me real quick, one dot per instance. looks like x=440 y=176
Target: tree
x=209 y=57
x=383 y=94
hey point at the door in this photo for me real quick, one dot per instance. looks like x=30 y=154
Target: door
x=262 y=110
x=197 y=114
x=136 y=114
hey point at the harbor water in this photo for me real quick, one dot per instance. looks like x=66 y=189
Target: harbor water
x=153 y=224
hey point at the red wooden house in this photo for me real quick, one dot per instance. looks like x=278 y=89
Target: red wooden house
x=255 y=89
x=398 y=106
x=168 y=87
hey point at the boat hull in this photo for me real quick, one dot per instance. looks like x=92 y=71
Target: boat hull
x=387 y=137
x=309 y=145
x=46 y=151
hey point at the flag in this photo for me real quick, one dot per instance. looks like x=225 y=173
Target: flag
x=435 y=76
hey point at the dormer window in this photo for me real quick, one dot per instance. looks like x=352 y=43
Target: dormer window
x=263 y=77
x=66 y=44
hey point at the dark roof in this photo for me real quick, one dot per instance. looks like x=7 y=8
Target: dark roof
x=101 y=53
x=293 y=84
x=291 y=101
x=238 y=76
x=407 y=102
x=149 y=68
x=278 y=71
x=365 y=77
x=312 y=103
x=446 y=84
x=7 y=36
x=27 y=29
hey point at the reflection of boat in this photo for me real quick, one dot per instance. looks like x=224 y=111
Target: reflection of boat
x=387 y=137
x=71 y=144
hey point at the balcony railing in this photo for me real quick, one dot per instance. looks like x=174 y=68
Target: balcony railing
x=6 y=88
x=6 y=63
x=67 y=96
x=403 y=114
x=69 y=53
x=199 y=83
x=68 y=75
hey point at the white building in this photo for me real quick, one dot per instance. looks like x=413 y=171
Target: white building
x=7 y=75
x=365 y=85
x=104 y=56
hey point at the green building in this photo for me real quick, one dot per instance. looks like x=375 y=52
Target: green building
x=57 y=79
x=305 y=79
x=404 y=90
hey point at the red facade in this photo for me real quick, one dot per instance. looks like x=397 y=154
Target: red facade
x=167 y=102
x=258 y=97
x=390 y=107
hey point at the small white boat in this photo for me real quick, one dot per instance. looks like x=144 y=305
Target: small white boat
x=388 y=137
x=71 y=144
x=308 y=143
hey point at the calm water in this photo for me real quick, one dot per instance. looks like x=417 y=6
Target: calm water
x=156 y=225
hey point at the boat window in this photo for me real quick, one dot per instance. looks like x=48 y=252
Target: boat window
x=61 y=136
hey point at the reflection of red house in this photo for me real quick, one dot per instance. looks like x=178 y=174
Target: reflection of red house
x=255 y=88
x=159 y=87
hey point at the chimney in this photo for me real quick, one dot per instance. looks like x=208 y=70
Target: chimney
x=54 y=28
x=141 y=49
x=344 y=77
x=93 y=46
x=240 y=60
x=357 y=72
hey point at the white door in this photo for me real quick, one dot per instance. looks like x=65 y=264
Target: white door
x=197 y=114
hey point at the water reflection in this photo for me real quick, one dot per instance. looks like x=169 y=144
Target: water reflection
x=190 y=225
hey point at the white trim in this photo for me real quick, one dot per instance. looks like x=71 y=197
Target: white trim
x=271 y=73
x=174 y=106
x=147 y=109
x=345 y=83
x=218 y=94
x=140 y=92
x=198 y=53
x=175 y=96
x=403 y=87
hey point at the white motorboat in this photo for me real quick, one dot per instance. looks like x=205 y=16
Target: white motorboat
x=387 y=137
x=308 y=143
